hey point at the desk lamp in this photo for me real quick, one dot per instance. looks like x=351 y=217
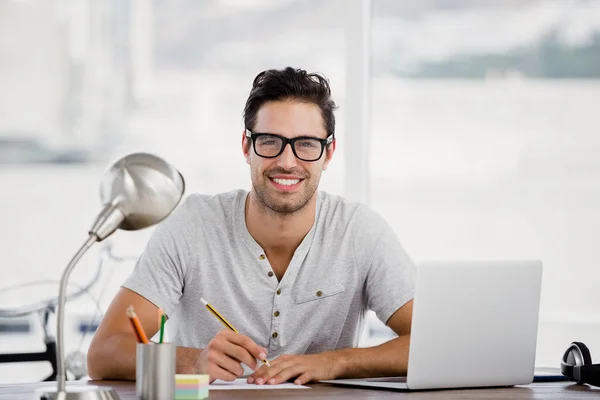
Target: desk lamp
x=137 y=191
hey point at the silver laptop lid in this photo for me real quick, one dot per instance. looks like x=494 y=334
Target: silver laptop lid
x=474 y=324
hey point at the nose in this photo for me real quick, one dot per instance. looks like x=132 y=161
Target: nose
x=287 y=159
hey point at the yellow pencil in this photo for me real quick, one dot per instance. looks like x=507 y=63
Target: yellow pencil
x=226 y=323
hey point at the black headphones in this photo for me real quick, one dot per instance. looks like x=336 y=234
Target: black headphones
x=577 y=365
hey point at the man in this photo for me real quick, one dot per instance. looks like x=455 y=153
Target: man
x=292 y=268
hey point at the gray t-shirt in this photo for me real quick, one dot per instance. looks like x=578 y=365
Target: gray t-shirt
x=349 y=262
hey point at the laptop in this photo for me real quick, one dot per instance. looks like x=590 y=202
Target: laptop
x=474 y=324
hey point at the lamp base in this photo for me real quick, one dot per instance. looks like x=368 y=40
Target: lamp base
x=79 y=393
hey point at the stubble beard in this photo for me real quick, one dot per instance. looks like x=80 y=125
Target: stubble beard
x=282 y=203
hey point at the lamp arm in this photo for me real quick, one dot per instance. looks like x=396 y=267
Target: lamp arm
x=60 y=319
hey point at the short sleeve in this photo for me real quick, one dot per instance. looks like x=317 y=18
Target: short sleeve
x=389 y=271
x=159 y=273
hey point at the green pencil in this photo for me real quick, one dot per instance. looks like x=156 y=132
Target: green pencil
x=163 y=319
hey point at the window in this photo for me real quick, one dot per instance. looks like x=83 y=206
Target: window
x=485 y=142
x=86 y=82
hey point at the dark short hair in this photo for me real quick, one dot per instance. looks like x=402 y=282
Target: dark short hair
x=290 y=84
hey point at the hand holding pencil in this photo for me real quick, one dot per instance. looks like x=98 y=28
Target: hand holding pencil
x=228 y=349
x=229 y=326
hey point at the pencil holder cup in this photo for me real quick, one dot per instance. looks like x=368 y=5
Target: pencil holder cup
x=155 y=371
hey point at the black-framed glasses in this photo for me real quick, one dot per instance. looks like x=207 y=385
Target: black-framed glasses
x=577 y=365
x=305 y=148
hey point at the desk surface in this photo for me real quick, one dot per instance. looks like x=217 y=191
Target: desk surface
x=554 y=390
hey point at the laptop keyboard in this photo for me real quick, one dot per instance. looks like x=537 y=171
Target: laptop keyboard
x=398 y=379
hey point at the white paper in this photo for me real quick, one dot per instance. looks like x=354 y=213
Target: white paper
x=241 y=384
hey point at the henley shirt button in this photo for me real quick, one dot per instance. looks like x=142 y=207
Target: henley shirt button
x=278 y=291
x=319 y=293
x=274 y=335
x=276 y=313
x=262 y=257
x=270 y=273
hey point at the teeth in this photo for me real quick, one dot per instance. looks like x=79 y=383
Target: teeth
x=286 y=182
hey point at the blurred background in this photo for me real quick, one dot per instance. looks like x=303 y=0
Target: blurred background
x=478 y=135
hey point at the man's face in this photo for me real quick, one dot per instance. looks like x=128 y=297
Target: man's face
x=285 y=184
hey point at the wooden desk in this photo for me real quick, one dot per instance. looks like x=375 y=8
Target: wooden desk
x=558 y=390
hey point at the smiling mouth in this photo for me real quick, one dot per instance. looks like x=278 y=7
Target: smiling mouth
x=286 y=182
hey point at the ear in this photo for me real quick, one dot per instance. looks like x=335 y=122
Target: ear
x=329 y=150
x=246 y=147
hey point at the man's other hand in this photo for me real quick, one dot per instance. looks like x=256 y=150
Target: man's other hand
x=302 y=368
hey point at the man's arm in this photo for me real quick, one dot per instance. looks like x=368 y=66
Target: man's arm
x=387 y=359
x=112 y=352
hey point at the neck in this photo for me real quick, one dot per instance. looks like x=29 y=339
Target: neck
x=275 y=232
